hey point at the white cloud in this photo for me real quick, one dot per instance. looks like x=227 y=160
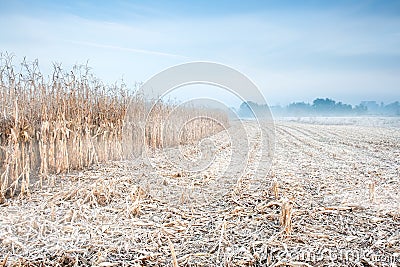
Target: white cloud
x=127 y=49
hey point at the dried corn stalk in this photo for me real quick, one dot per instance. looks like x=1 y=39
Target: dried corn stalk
x=275 y=188
x=286 y=216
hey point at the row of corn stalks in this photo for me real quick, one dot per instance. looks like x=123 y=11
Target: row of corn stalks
x=71 y=120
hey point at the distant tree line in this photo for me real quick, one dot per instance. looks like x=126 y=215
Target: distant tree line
x=323 y=107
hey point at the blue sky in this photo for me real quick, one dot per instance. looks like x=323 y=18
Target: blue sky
x=293 y=50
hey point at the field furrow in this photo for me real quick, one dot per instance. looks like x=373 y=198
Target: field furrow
x=341 y=183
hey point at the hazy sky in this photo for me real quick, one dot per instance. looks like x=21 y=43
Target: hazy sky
x=293 y=50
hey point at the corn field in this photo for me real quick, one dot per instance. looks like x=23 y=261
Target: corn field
x=71 y=120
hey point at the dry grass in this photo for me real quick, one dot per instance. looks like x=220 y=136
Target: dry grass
x=72 y=120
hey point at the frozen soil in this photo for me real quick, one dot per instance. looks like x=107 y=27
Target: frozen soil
x=342 y=182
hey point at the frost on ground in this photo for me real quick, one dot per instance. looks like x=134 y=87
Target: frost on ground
x=340 y=182
x=376 y=121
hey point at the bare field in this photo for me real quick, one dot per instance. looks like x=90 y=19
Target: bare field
x=332 y=198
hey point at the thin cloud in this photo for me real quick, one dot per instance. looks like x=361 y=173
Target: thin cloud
x=128 y=49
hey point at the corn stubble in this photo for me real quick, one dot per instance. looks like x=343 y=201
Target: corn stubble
x=285 y=219
x=72 y=120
